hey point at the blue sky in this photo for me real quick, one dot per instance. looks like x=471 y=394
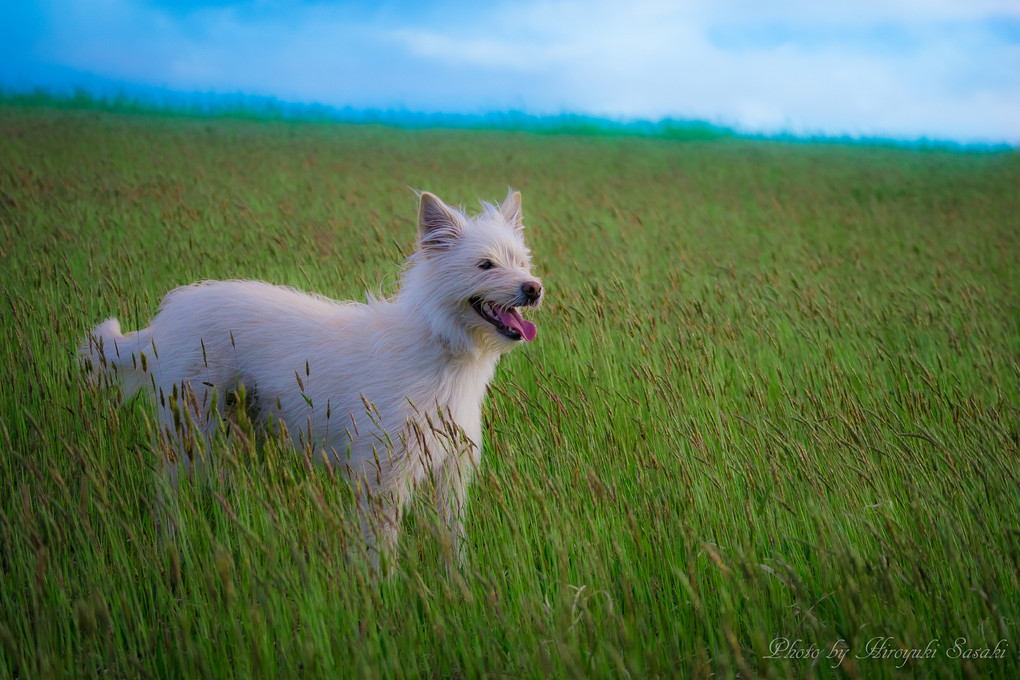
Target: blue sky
x=944 y=69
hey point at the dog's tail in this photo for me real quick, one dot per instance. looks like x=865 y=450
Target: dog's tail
x=113 y=358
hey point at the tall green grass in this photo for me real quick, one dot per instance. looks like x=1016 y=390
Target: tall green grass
x=774 y=396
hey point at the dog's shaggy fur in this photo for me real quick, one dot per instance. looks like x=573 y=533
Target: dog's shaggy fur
x=390 y=391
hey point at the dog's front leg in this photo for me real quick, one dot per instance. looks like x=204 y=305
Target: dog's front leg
x=451 y=498
x=380 y=525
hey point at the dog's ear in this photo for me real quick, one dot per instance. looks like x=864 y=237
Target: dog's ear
x=511 y=210
x=438 y=224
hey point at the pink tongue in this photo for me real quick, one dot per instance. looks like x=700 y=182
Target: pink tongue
x=513 y=319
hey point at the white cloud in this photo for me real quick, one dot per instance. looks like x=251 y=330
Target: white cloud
x=893 y=67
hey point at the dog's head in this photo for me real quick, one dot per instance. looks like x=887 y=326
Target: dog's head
x=474 y=273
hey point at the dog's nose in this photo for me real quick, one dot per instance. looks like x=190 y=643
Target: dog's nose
x=532 y=290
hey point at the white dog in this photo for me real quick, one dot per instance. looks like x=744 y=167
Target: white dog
x=390 y=391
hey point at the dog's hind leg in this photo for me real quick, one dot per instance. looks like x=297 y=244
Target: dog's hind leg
x=187 y=424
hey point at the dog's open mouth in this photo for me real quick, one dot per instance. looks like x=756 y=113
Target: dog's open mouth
x=507 y=320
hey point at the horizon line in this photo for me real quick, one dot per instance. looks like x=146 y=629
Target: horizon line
x=149 y=100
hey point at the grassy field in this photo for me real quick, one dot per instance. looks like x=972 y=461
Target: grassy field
x=775 y=395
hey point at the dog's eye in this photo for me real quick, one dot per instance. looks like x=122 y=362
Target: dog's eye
x=486 y=264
